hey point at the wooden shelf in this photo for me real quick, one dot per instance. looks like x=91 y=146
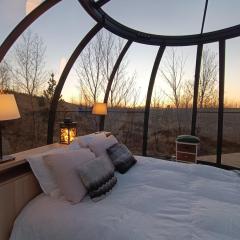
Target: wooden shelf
x=20 y=158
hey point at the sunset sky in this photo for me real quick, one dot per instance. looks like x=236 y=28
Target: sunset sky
x=63 y=26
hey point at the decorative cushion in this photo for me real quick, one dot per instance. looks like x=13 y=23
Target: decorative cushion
x=99 y=146
x=42 y=172
x=188 y=139
x=121 y=157
x=98 y=177
x=64 y=167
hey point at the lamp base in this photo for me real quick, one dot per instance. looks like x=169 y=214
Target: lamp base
x=6 y=158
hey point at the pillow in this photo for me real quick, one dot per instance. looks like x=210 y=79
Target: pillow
x=85 y=140
x=98 y=177
x=74 y=145
x=121 y=157
x=99 y=145
x=42 y=172
x=64 y=167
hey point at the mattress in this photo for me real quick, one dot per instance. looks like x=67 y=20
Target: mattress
x=156 y=199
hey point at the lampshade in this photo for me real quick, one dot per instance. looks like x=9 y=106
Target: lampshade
x=8 y=107
x=99 y=109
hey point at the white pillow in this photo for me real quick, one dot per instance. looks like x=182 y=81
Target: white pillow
x=100 y=145
x=42 y=172
x=85 y=140
x=64 y=166
x=74 y=145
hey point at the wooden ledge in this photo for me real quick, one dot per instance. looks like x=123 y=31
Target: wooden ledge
x=20 y=158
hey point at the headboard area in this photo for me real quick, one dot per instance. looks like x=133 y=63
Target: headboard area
x=15 y=192
x=17 y=187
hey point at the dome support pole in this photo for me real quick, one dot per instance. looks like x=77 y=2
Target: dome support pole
x=111 y=78
x=24 y=24
x=149 y=97
x=64 y=75
x=221 y=100
x=196 y=87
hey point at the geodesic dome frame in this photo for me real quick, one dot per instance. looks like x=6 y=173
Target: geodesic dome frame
x=94 y=9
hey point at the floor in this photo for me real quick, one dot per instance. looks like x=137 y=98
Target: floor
x=231 y=159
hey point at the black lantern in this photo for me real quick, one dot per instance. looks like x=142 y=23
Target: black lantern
x=68 y=131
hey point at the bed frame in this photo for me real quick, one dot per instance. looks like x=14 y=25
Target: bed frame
x=17 y=187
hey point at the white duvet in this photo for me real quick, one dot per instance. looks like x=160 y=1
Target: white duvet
x=156 y=199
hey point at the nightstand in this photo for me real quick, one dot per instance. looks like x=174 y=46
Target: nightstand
x=187 y=148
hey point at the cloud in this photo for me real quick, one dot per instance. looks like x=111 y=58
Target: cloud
x=31 y=5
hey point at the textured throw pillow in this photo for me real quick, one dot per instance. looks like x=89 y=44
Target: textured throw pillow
x=121 y=157
x=64 y=167
x=98 y=177
x=42 y=172
x=99 y=146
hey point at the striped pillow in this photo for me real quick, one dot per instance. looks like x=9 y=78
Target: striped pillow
x=121 y=157
x=98 y=177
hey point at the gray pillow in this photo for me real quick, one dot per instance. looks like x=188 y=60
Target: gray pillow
x=121 y=157
x=97 y=176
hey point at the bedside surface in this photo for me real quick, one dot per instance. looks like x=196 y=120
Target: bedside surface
x=20 y=158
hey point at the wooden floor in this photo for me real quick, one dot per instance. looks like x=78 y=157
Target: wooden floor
x=231 y=159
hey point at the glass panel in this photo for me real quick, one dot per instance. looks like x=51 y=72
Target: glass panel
x=171 y=105
x=10 y=15
x=127 y=123
x=59 y=39
x=207 y=116
x=231 y=132
x=222 y=14
x=163 y=17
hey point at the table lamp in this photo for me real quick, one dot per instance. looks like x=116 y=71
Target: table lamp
x=99 y=109
x=8 y=111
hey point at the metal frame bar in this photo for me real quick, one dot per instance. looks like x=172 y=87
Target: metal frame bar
x=222 y=166
x=149 y=97
x=111 y=78
x=100 y=3
x=24 y=24
x=196 y=87
x=221 y=100
x=66 y=70
x=204 y=16
x=152 y=39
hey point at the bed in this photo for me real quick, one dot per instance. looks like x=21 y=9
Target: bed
x=155 y=199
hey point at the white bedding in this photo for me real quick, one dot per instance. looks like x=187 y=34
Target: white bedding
x=155 y=200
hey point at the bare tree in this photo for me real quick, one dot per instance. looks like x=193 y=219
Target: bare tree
x=29 y=64
x=29 y=70
x=95 y=68
x=122 y=90
x=173 y=74
x=208 y=80
x=89 y=71
x=5 y=78
x=157 y=99
x=187 y=95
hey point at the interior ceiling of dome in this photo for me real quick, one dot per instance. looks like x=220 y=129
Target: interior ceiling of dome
x=174 y=17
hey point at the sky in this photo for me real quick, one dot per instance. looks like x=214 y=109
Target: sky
x=63 y=26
